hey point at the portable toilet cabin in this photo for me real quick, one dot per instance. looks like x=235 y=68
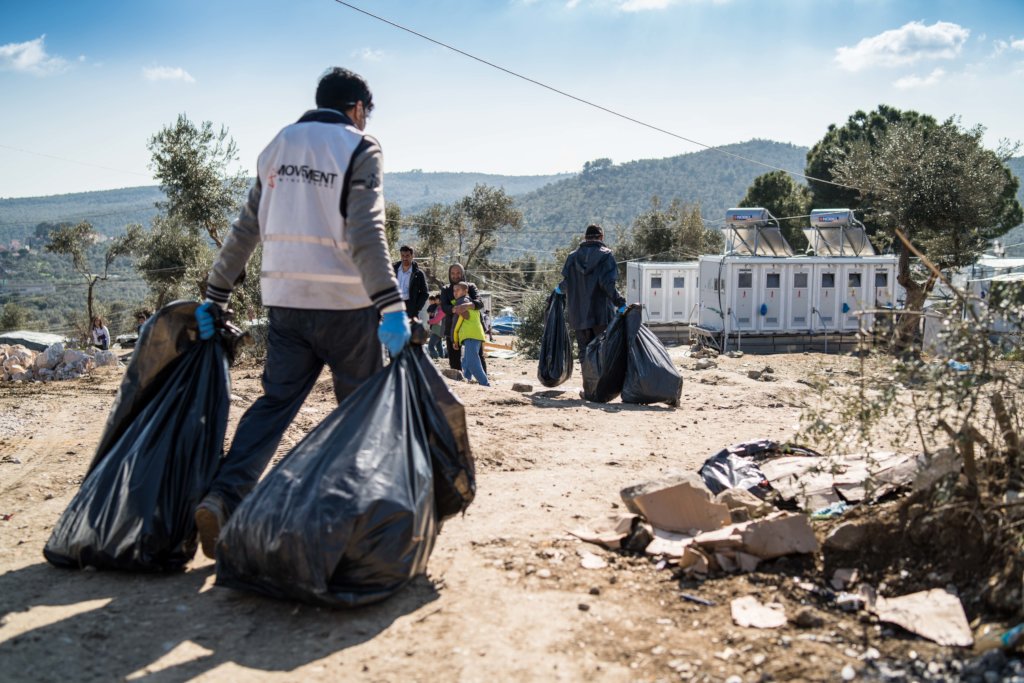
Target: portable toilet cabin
x=758 y=287
x=862 y=279
x=668 y=291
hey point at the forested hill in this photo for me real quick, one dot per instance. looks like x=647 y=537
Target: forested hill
x=615 y=194
x=555 y=207
x=111 y=210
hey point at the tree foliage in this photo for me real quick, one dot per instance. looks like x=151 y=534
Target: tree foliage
x=941 y=187
x=676 y=233
x=392 y=227
x=75 y=241
x=13 y=317
x=783 y=197
x=860 y=128
x=194 y=166
x=466 y=231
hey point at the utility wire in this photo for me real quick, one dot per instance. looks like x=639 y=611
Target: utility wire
x=589 y=103
x=73 y=161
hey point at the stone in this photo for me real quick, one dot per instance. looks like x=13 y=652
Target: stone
x=105 y=359
x=848 y=536
x=72 y=356
x=522 y=388
x=807 y=617
x=51 y=357
x=705 y=364
x=735 y=354
x=754 y=374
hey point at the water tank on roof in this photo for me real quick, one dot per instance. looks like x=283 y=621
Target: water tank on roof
x=832 y=218
x=739 y=217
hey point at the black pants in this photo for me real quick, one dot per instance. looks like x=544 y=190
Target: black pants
x=585 y=336
x=299 y=343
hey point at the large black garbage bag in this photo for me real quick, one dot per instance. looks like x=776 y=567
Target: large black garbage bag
x=157 y=457
x=349 y=515
x=650 y=375
x=725 y=470
x=604 y=363
x=735 y=467
x=555 y=364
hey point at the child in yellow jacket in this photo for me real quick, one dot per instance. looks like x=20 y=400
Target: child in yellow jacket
x=469 y=334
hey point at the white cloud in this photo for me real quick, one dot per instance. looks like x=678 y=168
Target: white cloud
x=908 y=44
x=30 y=57
x=643 y=5
x=1017 y=45
x=915 y=81
x=635 y=5
x=167 y=73
x=368 y=54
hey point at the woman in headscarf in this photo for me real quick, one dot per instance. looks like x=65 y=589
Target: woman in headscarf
x=456 y=274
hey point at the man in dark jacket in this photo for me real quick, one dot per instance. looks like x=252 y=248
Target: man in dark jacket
x=456 y=274
x=412 y=283
x=588 y=280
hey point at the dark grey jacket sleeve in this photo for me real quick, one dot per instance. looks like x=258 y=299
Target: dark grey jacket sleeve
x=238 y=247
x=609 y=273
x=365 y=228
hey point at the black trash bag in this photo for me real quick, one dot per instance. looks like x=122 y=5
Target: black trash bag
x=650 y=375
x=725 y=470
x=604 y=363
x=349 y=516
x=735 y=467
x=158 y=454
x=555 y=364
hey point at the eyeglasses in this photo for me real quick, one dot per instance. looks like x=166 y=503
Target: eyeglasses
x=367 y=106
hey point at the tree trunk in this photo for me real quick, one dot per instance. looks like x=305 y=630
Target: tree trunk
x=89 y=308
x=906 y=328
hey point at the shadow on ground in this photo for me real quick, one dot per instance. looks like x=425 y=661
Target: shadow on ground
x=89 y=625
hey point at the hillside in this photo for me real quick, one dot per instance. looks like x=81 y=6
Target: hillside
x=555 y=207
x=613 y=195
x=111 y=210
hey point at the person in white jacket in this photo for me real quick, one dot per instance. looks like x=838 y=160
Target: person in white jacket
x=318 y=209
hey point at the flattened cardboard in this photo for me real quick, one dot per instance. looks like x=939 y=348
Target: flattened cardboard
x=680 y=503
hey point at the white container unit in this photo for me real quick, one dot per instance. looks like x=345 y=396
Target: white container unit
x=793 y=295
x=668 y=291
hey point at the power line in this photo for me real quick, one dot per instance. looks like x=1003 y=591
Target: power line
x=73 y=161
x=589 y=103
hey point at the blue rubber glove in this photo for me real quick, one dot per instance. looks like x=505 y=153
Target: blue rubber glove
x=204 y=317
x=394 y=331
x=620 y=310
x=558 y=289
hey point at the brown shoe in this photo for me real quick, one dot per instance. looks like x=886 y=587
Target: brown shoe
x=210 y=518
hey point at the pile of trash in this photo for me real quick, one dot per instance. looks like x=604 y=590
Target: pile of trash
x=21 y=364
x=757 y=501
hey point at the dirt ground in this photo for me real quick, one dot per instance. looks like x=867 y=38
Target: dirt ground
x=505 y=597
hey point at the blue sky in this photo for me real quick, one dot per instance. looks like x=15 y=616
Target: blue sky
x=89 y=83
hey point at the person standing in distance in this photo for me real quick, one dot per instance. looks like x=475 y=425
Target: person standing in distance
x=318 y=209
x=451 y=308
x=412 y=283
x=588 y=281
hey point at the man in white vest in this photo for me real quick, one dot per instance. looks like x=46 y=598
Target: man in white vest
x=318 y=209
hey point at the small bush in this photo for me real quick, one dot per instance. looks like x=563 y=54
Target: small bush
x=531 y=325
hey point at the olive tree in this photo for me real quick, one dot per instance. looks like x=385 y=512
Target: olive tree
x=942 y=188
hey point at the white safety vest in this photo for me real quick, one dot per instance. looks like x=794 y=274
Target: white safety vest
x=307 y=262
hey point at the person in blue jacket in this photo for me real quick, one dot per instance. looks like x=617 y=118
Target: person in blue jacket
x=588 y=282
